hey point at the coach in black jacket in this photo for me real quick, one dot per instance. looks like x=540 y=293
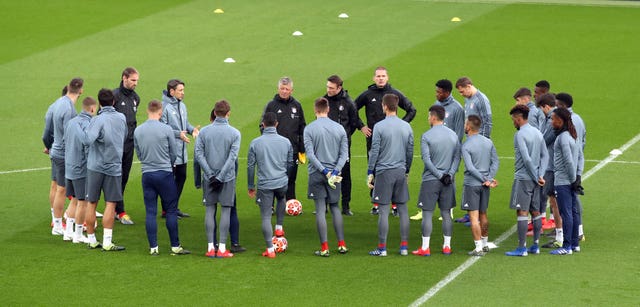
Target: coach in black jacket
x=291 y=125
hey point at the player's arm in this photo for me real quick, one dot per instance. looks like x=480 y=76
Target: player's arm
x=199 y=154
x=544 y=159
x=311 y=152
x=406 y=105
x=375 y=150
x=173 y=148
x=455 y=162
x=526 y=158
x=230 y=163
x=495 y=163
x=409 y=153
x=426 y=158
x=344 y=151
x=471 y=168
x=251 y=167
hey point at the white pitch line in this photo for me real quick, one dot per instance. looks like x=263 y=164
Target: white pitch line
x=465 y=265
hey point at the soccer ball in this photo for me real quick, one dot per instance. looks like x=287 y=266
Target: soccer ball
x=279 y=244
x=293 y=207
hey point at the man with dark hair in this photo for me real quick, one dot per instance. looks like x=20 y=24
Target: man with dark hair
x=105 y=137
x=542 y=87
x=327 y=148
x=343 y=111
x=273 y=155
x=291 y=125
x=567 y=157
x=371 y=100
x=174 y=114
x=75 y=162
x=531 y=159
x=127 y=102
x=216 y=150
x=441 y=156
x=523 y=97
x=57 y=118
x=389 y=164
x=156 y=149
x=454 y=112
x=476 y=102
x=481 y=165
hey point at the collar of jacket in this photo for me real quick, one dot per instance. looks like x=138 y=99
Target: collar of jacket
x=220 y=121
x=374 y=87
x=166 y=98
x=279 y=99
x=124 y=90
x=269 y=130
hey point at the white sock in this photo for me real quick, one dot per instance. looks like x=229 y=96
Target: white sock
x=580 y=232
x=222 y=247
x=210 y=246
x=57 y=223
x=447 y=241
x=425 y=243
x=485 y=241
x=79 y=229
x=478 y=244
x=92 y=238
x=270 y=249
x=106 y=236
x=69 y=227
x=559 y=235
x=278 y=227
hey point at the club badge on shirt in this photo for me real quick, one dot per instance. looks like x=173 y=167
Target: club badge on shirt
x=341 y=108
x=293 y=112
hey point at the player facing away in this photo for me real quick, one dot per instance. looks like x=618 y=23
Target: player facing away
x=388 y=167
x=481 y=165
x=272 y=154
x=567 y=161
x=75 y=160
x=441 y=156
x=155 y=147
x=531 y=159
x=105 y=136
x=327 y=149
x=216 y=150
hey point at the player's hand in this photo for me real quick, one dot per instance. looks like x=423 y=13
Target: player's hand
x=45 y=151
x=333 y=179
x=196 y=131
x=494 y=183
x=326 y=172
x=302 y=158
x=215 y=184
x=370 y=181
x=366 y=131
x=252 y=193
x=184 y=137
x=541 y=181
x=446 y=179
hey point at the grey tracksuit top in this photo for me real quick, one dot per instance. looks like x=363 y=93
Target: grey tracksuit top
x=391 y=145
x=531 y=155
x=105 y=136
x=566 y=155
x=75 y=153
x=479 y=104
x=217 y=148
x=326 y=145
x=62 y=111
x=174 y=114
x=440 y=152
x=155 y=146
x=480 y=160
x=273 y=155
x=454 y=115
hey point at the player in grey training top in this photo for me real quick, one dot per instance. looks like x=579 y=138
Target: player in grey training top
x=481 y=165
x=326 y=145
x=531 y=159
x=216 y=150
x=273 y=155
x=390 y=162
x=156 y=149
x=454 y=112
x=476 y=102
x=523 y=97
x=441 y=156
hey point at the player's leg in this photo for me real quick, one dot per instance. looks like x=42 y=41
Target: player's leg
x=321 y=226
x=150 y=196
x=69 y=228
x=536 y=219
x=446 y=200
x=225 y=216
x=280 y=196
x=127 y=161
x=210 y=226
x=112 y=194
x=520 y=201
x=59 y=198
x=81 y=211
x=403 y=213
x=576 y=212
x=563 y=195
x=338 y=226
x=383 y=230
x=266 y=202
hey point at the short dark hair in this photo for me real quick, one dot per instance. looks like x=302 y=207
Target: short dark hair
x=391 y=102
x=523 y=91
x=89 y=102
x=547 y=99
x=269 y=119
x=221 y=108
x=565 y=99
x=463 y=82
x=565 y=116
x=173 y=84
x=321 y=105
x=543 y=84
x=380 y=68
x=127 y=72
x=154 y=106
x=438 y=111
x=75 y=85
x=520 y=110
x=64 y=90
x=474 y=122
x=335 y=79
x=445 y=85
x=105 y=96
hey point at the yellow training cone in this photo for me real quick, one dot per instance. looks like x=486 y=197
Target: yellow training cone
x=455 y=19
x=218 y=11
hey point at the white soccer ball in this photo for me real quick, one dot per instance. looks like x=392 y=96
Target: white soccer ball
x=280 y=244
x=293 y=207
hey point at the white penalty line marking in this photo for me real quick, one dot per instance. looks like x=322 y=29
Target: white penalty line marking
x=465 y=265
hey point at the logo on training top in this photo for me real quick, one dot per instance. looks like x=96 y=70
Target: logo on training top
x=471 y=105
x=341 y=108
x=123 y=103
x=373 y=100
x=279 y=111
x=446 y=114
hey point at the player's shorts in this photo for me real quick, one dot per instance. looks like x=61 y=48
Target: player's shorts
x=57 y=171
x=224 y=196
x=525 y=195
x=390 y=187
x=77 y=188
x=264 y=198
x=548 y=188
x=475 y=198
x=318 y=188
x=110 y=185
x=433 y=191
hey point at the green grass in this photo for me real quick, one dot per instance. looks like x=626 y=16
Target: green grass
x=584 y=50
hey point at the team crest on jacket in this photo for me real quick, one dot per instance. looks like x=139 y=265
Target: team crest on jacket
x=341 y=108
x=294 y=110
x=446 y=114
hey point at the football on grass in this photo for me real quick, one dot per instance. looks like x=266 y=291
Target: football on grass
x=279 y=244
x=293 y=207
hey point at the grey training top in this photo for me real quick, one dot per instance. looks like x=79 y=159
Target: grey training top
x=566 y=153
x=549 y=136
x=75 y=153
x=155 y=146
x=581 y=129
x=217 y=148
x=105 y=136
x=479 y=104
x=273 y=155
x=454 y=115
x=536 y=117
x=480 y=160
x=62 y=111
x=531 y=155
x=391 y=145
x=326 y=145
x=174 y=114
x=440 y=152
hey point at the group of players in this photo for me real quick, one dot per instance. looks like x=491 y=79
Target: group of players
x=93 y=154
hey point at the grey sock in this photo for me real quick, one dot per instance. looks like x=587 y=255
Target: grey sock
x=522 y=231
